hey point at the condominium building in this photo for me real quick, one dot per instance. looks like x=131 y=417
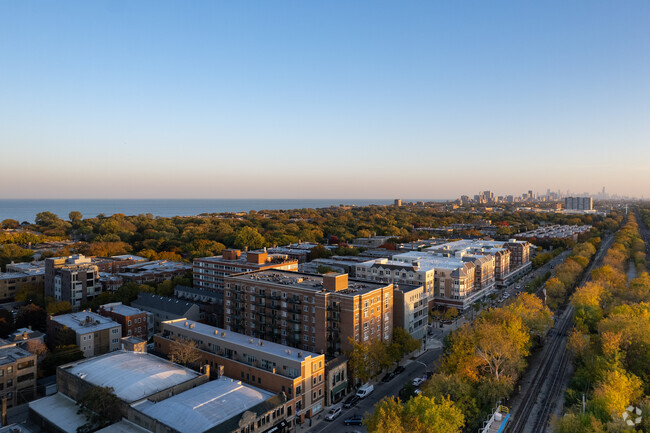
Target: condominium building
x=133 y=320
x=74 y=279
x=209 y=272
x=398 y=272
x=94 y=334
x=318 y=313
x=411 y=309
x=579 y=203
x=17 y=375
x=261 y=363
x=19 y=275
x=454 y=278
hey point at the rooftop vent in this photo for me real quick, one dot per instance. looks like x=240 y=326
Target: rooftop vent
x=299 y=354
x=223 y=334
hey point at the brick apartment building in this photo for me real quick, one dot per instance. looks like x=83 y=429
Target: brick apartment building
x=133 y=320
x=17 y=375
x=209 y=272
x=317 y=313
x=264 y=364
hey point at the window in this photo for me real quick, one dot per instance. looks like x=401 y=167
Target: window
x=129 y=323
x=10 y=370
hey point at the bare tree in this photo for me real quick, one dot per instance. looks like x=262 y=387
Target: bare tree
x=183 y=351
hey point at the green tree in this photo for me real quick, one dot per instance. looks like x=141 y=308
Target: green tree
x=9 y=224
x=403 y=343
x=386 y=417
x=320 y=252
x=249 y=237
x=426 y=415
x=13 y=253
x=184 y=351
x=358 y=360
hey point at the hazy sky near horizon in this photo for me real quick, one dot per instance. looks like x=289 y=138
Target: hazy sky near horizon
x=372 y=99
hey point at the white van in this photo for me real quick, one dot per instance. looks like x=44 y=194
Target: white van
x=365 y=390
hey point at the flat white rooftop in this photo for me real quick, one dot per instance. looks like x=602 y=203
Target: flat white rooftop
x=60 y=410
x=242 y=340
x=428 y=260
x=85 y=322
x=133 y=376
x=123 y=426
x=206 y=406
x=122 y=309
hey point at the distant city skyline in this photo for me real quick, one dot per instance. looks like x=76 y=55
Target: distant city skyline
x=339 y=100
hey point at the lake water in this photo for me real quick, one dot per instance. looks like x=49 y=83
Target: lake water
x=26 y=210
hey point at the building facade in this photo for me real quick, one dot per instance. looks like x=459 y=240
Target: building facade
x=318 y=313
x=17 y=375
x=74 y=279
x=133 y=320
x=94 y=334
x=300 y=375
x=411 y=309
x=19 y=275
x=209 y=272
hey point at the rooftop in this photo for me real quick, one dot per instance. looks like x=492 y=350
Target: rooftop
x=132 y=375
x=121 y=309
x=123 y=426
x=243 y=340
x=154 y=266
x=84 y=321
x=206 y=406
x=130 y=257
x=306 y=281
x=171 y=305
x=60 y=410
x=11 y=354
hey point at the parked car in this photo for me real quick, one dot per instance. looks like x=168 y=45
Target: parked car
x=388 y=377
x=429 y=374
x=334 y=413
x=365 y=391
x=419 y=381
x=354 y=420
x=351 y=401
x=399 y=370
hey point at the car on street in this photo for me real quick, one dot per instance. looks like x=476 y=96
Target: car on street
x=388 y=377
x=351 y=401
x=354 y=420
x=334 y=413
x=419 y=381
x=399 y=370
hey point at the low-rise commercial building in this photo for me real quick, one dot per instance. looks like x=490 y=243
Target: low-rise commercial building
x=94 y=334
x=267 y=365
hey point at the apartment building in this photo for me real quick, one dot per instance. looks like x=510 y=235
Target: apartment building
x=411 y=309
x=454 y=282
x=579 y=203
x=133 y=320
x=74 y=279
x=209 y=272
x=519 y=252
x=17 y=375
x=19 y=275
x=264 y=364
x=398 y=272
x=94 y=334
x=311 y=312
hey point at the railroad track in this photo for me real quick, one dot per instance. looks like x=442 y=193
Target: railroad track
x=548 y=376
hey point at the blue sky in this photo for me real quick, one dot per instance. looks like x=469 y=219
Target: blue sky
x=322 y=99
